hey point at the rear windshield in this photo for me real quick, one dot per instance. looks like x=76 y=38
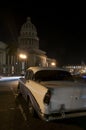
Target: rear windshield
x=53 y=75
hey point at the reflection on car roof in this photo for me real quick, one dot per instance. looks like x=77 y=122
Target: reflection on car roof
x=35 y=69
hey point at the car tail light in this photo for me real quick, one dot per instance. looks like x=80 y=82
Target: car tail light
x=47 y=97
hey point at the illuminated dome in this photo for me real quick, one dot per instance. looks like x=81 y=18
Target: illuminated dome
x=28 y=35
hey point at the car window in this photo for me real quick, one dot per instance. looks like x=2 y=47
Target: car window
x=53 y=75
x=29 y=75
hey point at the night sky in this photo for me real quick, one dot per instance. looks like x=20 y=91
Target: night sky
x=62 y=37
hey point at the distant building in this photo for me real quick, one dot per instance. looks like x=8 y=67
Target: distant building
x=76 y=69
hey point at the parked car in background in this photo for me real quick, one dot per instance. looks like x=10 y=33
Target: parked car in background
x=52 y=93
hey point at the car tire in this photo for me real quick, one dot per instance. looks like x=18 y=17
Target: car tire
x=31 y=109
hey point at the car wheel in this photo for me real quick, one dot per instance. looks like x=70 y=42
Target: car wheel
x=31 y=109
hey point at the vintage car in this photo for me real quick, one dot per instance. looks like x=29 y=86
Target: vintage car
x=52 y=93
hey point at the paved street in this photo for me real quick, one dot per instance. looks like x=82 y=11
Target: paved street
x=14 y=114
x=10 y=115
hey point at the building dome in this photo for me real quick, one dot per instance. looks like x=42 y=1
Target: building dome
x=28 y=35
x=28 y=29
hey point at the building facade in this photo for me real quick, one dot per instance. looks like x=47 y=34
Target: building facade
x=28 y=42
x=27 y=45
x=3 y=47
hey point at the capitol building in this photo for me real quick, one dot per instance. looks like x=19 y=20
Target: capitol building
x=27 y=53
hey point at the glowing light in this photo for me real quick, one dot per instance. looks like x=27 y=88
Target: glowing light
x=22 y=56
x=53 y=63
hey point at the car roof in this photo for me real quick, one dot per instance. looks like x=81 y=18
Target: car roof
x=35 y=69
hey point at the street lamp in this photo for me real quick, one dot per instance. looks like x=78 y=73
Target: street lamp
x=53 y=64
x=23 y=57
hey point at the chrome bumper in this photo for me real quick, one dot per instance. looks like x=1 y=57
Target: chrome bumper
x=64 y=115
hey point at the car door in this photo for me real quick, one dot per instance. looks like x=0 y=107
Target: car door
x=23 y=86
x=28 y=77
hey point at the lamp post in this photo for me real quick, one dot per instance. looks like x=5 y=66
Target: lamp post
x=23 y=57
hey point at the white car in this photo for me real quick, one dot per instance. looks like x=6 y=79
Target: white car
x=52 y=93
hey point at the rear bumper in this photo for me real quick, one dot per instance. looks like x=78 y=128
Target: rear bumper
x=64 y=115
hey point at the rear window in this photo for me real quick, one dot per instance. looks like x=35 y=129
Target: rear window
x=53 y=75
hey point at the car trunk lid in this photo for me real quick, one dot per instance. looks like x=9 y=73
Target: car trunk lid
x=67 y=94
